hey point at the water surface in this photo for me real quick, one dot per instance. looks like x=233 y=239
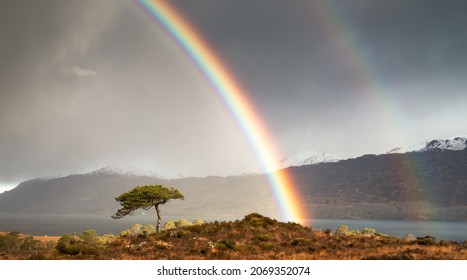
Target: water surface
x=61 y=224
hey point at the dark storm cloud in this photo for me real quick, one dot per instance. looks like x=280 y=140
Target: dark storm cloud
x=287 y=42
x=413 y=40
x=287 y=55
x=90 y=83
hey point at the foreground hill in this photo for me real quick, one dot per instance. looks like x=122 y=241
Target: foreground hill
x=416 y=185
x=255 y=237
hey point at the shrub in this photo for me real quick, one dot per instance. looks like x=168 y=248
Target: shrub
x=125 y=233
x=15 y=242
x=342 y=230
x=74 y=244
x=29 y=244
x=198 y=222
x=299 y=241
x=292 y=226
x=170 y=225
x=159 y=244
x=369 y=231
x=427 y=240
x=409 y=238
x=251 y=216
x=9 y=242
x=354 y=232
x=90 y=237
x=228 y=244
x=107 y=238
x=149 y=229
x=220 y=246
x=262 y=237
x=196 y=229
x=136 y=229
x=257 y=220
x=183 y=223
x=179 y=233
x=266 y=245
x=65 y=242
x=212 y=229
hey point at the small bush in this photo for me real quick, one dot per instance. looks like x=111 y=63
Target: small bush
x=342 y=230
x=354 y=232
x=90 y=237
x=299 y=241
x=74 y=244
x=107 y=238
x=198 y=222
x=125 y=233
x=266 y=245
x=369 y=231
x=410 y=238
x=183 y=223
x=170 y=225
x=220 y=246
x=149 y=229
x=162 y=245
x=251 y=216
x=65 y=243
x=257 y=220
x=29 y=244
x=136 y=229
x=426 y=241
x=262 y=237
x=10 y=242
x=228 y=244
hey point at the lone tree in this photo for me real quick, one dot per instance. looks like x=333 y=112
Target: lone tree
x=145 y=197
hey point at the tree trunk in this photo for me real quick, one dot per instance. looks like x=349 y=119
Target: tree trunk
x=158 y=224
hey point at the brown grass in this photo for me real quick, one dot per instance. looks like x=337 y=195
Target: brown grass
x=257 y=237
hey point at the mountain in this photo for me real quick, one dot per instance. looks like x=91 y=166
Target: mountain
x=94 y=193
x=417 y=185
x=427 y=183
x=306 y=158
x=455 y=143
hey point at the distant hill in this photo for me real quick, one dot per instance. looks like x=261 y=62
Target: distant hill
x=417 y=185
x=454 y=143
x=305 y=157
x=421 y=185
x=93 y=193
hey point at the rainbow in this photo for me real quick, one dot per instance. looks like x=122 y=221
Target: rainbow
x=235 y=99
x=356 y=62
x=334 y=23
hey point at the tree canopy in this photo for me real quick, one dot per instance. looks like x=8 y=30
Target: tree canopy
x=145 y=197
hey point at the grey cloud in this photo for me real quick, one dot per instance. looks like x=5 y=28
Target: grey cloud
x=84 y=84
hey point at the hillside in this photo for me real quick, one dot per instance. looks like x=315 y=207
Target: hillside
x=93 y=193
x=416 y=185
x=255 y=237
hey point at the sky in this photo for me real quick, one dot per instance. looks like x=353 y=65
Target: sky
x=87 y=84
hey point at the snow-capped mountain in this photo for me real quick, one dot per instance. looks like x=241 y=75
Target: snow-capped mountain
x=306 y=158
x=455 y=143
x=114 y=170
